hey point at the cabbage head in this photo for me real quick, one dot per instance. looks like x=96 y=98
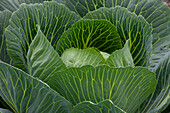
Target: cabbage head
x=84 y=56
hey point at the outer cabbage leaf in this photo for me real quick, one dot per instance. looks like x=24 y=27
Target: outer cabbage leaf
x=157 y=14
x=126 y=87
x=53 y=19
x=160 y=98
x=82 y=7
x=121 y=58
x=129 y=26
x=43 y=60
x=13 y=5
x=25 y=94
x=106 y=106
x=100 y=34
x=75 y=57
x=4 y=21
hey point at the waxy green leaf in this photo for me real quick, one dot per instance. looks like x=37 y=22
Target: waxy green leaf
x=13 y=5
x=82 y=7
x=4 y=21
x=75 y=57
x=157 y=14
x=52 y=18
x=25 y=94
x=126 y=87
x=121 y=58
x=100 y=34
x=43 y=60
x=160 y=98
x=106 y=106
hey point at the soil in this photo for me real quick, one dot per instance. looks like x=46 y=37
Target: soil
x=168 y=2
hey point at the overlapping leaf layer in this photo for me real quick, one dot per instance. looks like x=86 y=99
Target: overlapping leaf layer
x=24 y=93
x=129 y=26
x=22 y=28
x=82 y=56
x=100 y=34
x=4 y=21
